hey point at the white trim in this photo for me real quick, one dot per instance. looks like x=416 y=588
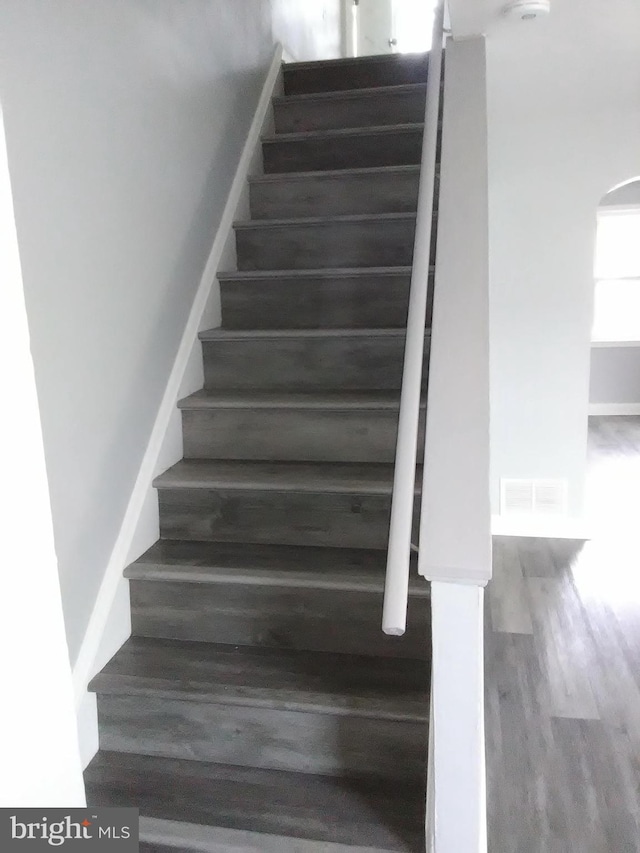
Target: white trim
x=249 y=160
x=347 y=28
x=614 y=408
x=540 y=526
x=447 y=19
x=611 y=344
x=463 y=575
x=430 y=815
x=87 y=727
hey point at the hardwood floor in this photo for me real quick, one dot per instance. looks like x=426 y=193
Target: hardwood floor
x=563 y=671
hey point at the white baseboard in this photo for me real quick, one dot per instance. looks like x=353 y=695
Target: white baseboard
x=87 y=723
x=430 y=815
x=539 y=526
x=614 y=408
x=613 y=344
x=139 y=528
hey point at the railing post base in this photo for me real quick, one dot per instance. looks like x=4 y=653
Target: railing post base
x=457 y=760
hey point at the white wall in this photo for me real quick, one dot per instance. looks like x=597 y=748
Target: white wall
x=40 y=765
x=308 y=30
x=615 y=375
x=556 y=145
x=124 y=123
x=564 y=123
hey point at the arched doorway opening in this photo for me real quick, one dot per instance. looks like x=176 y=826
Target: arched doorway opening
x=617 y=265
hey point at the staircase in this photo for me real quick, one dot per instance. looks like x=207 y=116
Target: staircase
x=258 y=706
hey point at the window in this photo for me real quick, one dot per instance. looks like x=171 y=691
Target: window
x=617 y=273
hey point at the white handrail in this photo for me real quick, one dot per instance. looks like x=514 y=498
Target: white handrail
x=396 y=589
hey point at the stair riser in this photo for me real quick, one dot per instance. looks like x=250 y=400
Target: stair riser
x=261 y=737
x=342 y=303
x=380 y=192
x=275 y=518
x=298 y=435
x=326 y=620
x=364 y=150
x=359 y=243
x=248 y=817
x=383 y=108
x=363 y=74
x=290 y=435
x=225 y=808
x=304 y=363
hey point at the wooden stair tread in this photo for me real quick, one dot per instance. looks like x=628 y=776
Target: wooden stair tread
x=355 y=61
x=321 y=220
x=320 y=682
x=309 y=477
x=267 y=565
x=219 y=334
x=345 y=132
x=320 y=272
x=329 y=174
x=347 y=94
x=333 y=400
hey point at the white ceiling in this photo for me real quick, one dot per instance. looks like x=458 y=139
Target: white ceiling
x=585 y=48
x=574 y=19
x=472 y=17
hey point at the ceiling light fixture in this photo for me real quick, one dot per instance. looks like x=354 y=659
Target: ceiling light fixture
x=526 y=10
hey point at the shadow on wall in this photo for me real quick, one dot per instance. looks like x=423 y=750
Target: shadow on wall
x=615 y=352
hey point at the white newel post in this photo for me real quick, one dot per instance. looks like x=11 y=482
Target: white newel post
x=455 y=530
x=458 y=768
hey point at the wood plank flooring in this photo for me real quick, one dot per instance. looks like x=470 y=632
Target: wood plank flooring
x=563 y=671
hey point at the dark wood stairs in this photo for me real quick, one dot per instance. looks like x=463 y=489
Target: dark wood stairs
x=258 y=705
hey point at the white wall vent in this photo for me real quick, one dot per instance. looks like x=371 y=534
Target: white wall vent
x=533 y=497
